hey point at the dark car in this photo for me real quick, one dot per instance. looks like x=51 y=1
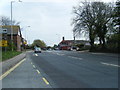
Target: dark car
x=37 y=50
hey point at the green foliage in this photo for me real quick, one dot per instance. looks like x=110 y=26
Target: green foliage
x=9 y=54
x=49 y=47
x=80 y=45
x=113 y=42
x=115 y=38
x=9 y=48
x=39 y=43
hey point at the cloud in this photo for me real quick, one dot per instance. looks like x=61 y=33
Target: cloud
x=46 y=18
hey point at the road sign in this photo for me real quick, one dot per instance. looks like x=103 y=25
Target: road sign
x=25 y=42
x=3 y=30
x=3 y=43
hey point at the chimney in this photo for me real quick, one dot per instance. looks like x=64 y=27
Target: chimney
x=63 y=38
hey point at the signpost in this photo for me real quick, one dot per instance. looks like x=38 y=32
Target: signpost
x=3 y=43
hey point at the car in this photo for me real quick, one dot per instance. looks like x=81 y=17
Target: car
x=37 y=50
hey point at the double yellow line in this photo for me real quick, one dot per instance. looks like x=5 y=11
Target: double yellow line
x=10 y=70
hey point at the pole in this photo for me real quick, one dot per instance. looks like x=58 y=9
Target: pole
x=12 y=34
x=26 y=37
x=11 y=28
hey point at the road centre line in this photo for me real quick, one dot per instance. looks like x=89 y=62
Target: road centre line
x=33 y=66
x=45 y=81
x=60 y=54
x=31 y=63
x=75 y=57
x=108 y=64
x=36 y=54
x=11 y=69
x=38 y=71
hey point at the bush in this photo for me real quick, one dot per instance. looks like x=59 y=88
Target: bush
x=80 y=45
x=9 y=54
x=10 y=46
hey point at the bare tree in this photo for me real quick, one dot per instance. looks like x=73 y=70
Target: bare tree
x=6 y=21
x=84 y=21
x=116 y=16
x=92 y=17
x=103 y=15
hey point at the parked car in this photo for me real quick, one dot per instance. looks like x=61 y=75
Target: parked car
x=37 y=50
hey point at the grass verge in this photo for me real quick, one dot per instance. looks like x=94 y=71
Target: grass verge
x=9 y=54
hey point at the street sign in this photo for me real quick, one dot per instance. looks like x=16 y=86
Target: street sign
x=3 y=43
x=25 y=42
x=3 y=30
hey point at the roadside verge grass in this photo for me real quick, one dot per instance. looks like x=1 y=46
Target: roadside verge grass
x=9 y=54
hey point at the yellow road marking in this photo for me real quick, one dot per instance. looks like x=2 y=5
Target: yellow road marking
x=33 y=66
x=38 y=71
x=10 y=70
x=45 y=81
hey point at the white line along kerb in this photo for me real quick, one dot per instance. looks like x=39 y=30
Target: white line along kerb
x=110 y=64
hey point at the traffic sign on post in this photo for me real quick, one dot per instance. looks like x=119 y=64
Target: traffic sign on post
x=3 y=43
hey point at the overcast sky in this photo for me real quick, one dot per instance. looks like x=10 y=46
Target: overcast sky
x=49 y=20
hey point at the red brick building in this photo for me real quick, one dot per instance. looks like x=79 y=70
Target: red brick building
x=17 y=36
x=68 y=44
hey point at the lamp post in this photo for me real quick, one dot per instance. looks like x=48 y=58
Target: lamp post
x=25 y=33
x=26 y=38
x=11 y=27
x=12 y=34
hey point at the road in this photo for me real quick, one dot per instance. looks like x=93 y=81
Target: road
x=65 y=69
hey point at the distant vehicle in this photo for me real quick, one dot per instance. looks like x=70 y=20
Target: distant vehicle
x=56 y=48
x=37 y=50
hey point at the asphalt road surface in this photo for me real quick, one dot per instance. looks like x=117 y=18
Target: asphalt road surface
x=65 y=69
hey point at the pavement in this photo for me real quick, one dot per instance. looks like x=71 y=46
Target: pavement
x=64 y=69
x=6 y=65
x=25 y=76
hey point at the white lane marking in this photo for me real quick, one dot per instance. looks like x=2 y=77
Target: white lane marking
x=98 y=53
x=33 y=66
x=60 y=54
x=38 y=71
x=108 y=64
x=75 y=57
x=36 y=55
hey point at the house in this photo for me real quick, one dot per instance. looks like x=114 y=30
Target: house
x=69 y=44
x=17 y=36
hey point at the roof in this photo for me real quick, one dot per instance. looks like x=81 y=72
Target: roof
x=72 y=41
x=16 y=29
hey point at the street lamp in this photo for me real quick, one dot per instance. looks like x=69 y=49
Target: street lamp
x=25 y=33
x=12 y=24
x=26 y=38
